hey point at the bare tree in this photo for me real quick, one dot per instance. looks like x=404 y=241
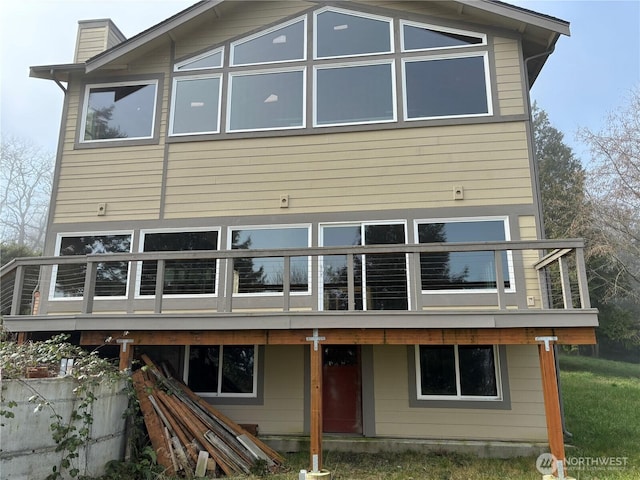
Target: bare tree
x=614 y=190
x=26 y=175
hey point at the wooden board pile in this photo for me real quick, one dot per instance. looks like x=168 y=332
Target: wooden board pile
x=191 y=437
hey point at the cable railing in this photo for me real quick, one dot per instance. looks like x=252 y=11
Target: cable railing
x=515 y=275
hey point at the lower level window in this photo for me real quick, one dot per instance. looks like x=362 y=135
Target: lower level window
x=457 y=372
x=222 y=370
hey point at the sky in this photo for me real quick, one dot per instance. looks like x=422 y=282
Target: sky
x=590 y=74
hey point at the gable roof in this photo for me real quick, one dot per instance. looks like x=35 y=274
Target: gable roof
x=540 y=33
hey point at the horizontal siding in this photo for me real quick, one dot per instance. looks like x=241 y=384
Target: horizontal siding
x=509 y=77
x=283 y=409
x=236 y=19
x=524 y=422
x=91 y=41
x=408 y=168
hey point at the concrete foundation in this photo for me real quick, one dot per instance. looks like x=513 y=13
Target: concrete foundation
x=27 y=447
x=485 y=449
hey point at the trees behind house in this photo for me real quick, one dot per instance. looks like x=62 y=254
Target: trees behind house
x=25 y=189
x=602 y=205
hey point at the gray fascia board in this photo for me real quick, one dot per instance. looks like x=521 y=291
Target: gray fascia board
x=150 y=34
x=47 y=72
x=520 y=14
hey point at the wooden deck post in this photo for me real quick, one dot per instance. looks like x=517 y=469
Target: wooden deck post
x=316 y=404
x=551 y=399
x=126 y=353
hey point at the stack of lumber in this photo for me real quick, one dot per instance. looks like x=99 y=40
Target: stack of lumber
x=191 y=437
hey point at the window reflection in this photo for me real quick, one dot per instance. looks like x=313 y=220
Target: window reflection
x=111 y=277
x=264 y=275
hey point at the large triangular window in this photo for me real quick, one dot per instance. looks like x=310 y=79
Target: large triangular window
x=283 y=43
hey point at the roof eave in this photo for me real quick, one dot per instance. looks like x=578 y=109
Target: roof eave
x=150 y=34
x=514 y=12
x=56 y=72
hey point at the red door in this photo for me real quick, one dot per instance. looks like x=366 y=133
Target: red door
x=341 y=389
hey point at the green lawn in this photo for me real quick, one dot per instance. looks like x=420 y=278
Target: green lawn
x=602 y=407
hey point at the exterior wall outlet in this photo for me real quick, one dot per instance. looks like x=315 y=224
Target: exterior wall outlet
x=102 y=209
x=458 y=192
x=531 y=301
x=284 y=201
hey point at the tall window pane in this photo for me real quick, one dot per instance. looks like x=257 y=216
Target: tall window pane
x=358 y=94
x=122 y=111
x=477 y=370
x=341 y=34
x=335 y=269
x=386 y=273
x=204 y=364
x=237 y=369
x=111 y=277
x=182 y=277
x=196 y=106
x=268 y=100
x=445 y=87
x=437 y=370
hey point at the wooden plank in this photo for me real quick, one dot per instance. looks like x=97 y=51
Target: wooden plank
x=316 y=408
x=153 y=424
x=551 y=402
x=357 y=336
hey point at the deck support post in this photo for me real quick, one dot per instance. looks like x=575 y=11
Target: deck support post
x=126 y=353
x=552 y=402
x=316 y=405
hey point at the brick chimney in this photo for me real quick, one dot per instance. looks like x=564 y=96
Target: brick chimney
x=94 y=37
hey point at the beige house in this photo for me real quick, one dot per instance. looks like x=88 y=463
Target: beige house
x=324 y=216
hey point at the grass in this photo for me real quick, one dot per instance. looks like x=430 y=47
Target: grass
x=602 y=408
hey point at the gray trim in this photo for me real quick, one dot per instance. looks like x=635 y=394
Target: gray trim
x=512 y=211
x=503 y=404
x=211 y=320
x=368 y=391
x=154 y=140
x=257 y=400
x=165 y=151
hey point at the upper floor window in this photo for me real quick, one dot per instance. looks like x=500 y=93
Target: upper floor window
x=210 y=59
x=111 y=277
x=417 y=36
x=283 y=43
x=463 y=271
x=342 y=33
x=265 y=86
x=196 y=105
x=446 y=87
x=119 y=111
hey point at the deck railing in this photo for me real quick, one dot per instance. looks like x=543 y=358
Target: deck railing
x=547 y=274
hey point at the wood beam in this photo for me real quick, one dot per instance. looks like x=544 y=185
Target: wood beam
x=351 y=336
x=551 y=401
x=126 y=354
x=316 y=408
